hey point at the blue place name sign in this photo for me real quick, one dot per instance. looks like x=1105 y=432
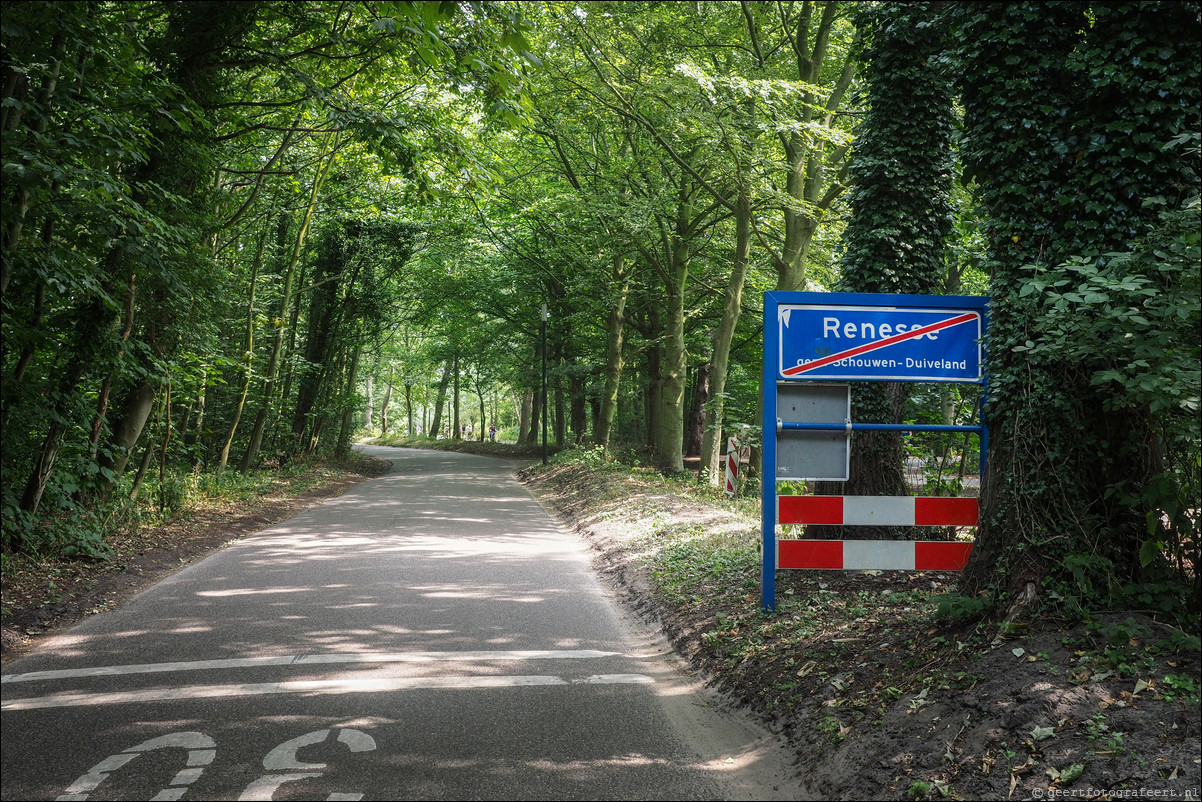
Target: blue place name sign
x=879 y=343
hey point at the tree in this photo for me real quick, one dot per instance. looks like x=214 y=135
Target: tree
x=147 y=144
x=1068 y=146
x=900 y=200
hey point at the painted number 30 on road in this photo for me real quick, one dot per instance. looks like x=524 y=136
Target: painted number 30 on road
x=281 y=764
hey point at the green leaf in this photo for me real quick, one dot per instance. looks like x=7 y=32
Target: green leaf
x=1042 y=733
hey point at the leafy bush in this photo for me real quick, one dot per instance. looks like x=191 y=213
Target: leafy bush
x=1132 y=320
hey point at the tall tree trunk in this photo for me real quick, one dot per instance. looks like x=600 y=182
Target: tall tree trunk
x=323 y=319
x=289 y=368
x=579 y=412
x=697 y=412
x=456 y=434
x=343 y=448
x=670 y=437
x=370 y=410
x=807 y=156
x=143 y=467
x=386 y=400
x=894 y=241
x=536 y=417
x=92 y=320
x=525 y=410
x=248 y=356
x=615 y=332
x=127 y=425
x=653 y=385
x=163 y=450
x=102 y=400
x=409 y=408
x=329 y=149
x=194 y=433
x=560 y=432
x=440 y=399
x=483 y=411
x=732 y=304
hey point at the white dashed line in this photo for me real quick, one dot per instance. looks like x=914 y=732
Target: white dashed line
x=312 y=687
x=304 y=659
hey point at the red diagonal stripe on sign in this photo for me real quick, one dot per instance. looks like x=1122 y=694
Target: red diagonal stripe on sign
x=864 y=349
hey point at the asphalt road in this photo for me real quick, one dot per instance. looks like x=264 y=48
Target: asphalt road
x=431 y=634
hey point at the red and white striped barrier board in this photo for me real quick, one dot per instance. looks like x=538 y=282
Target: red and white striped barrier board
x=881 y=555
x=877 y=510
x=885 y=555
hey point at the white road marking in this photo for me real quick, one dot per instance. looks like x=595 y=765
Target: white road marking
x=304 y=659
x=201 y=751
x=311 y=687
x=284 y=758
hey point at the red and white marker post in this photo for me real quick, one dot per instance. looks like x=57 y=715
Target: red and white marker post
x=732 y=466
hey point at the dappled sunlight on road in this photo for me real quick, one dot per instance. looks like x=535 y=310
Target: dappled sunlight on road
x=437 y=618
x=261 y=591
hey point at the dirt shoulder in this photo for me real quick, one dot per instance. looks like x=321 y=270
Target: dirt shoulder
x=40 y=597
x=880 y=699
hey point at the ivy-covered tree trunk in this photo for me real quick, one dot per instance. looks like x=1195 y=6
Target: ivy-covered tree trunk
x=901 y=216
x=1068 y=107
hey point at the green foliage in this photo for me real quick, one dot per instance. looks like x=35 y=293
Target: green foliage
x=956 y=608
x=1131 y=318
x=594 y=457
x=1089 y=362
x=918 y=789
x=1132 y=322
x=1180 y=685
x=152 y=153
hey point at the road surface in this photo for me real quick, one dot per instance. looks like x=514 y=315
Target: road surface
x=431 y=634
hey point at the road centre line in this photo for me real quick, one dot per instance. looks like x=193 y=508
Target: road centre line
x=305 y=660
x=312 y=688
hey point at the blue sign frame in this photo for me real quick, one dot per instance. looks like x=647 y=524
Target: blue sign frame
x=863 y=337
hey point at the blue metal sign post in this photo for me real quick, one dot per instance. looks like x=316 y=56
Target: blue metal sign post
x=825 y=337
